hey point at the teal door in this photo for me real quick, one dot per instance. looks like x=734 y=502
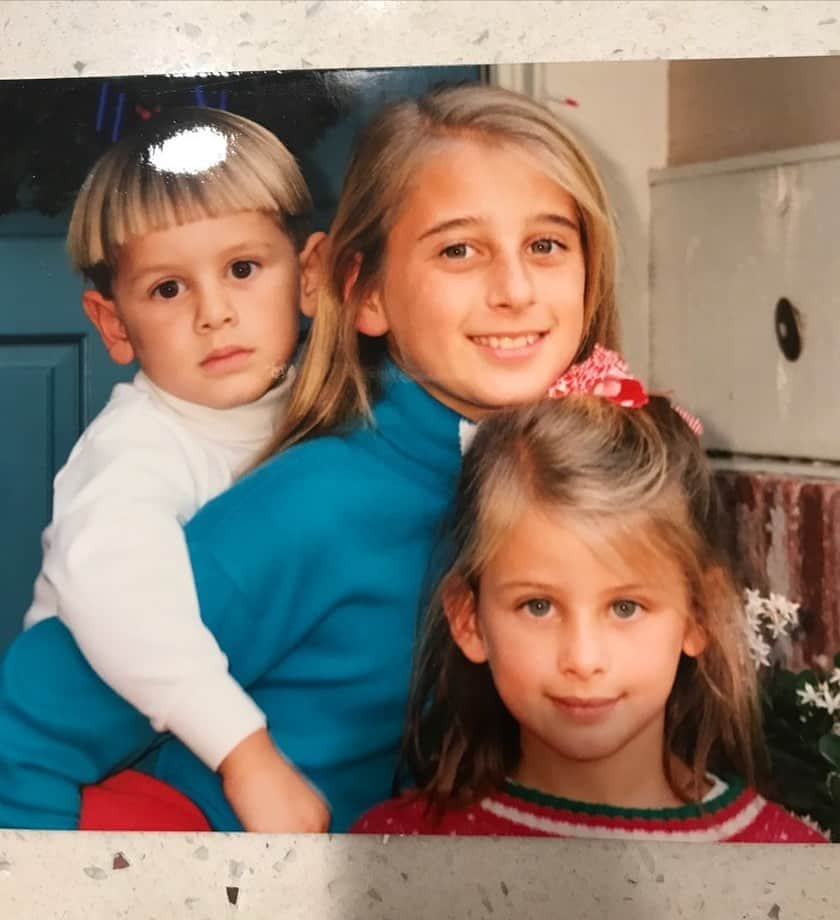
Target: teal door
x=54 y=377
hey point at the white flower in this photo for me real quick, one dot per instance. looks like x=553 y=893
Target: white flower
x=759 y=649
x=781 y=615
x=808 y=695
x=753 y=601
x=767 y=618
x=834 y=677
x=820 y=696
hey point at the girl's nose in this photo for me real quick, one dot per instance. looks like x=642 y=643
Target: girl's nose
x=511 y=285
x=582 y=649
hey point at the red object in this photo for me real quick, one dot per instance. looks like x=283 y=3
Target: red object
x=133 y=801
x=603 y=371
x=145 y=113
x=738 y=815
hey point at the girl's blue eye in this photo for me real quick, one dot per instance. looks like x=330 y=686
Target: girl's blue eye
x=625 y=609
x=243 y=268
x=538 y=606
x=167 y=289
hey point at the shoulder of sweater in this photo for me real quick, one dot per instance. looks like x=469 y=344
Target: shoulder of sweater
x=406 y=814
x=778 y=825
x=304 y=487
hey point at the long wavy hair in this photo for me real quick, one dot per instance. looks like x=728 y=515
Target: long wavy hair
x=337 y=378
x=603 y=467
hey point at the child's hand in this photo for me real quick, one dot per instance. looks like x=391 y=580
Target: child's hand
x=267 y=793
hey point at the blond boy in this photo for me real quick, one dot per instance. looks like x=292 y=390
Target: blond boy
x=192 y=233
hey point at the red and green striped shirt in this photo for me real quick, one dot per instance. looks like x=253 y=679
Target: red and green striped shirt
x=731 y=813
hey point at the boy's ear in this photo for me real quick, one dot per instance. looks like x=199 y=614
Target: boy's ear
x=460 y=611
x=312 y=272
x=102 y=312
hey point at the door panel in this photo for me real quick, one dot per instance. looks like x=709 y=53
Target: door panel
x=40 y=401
x=55 y=376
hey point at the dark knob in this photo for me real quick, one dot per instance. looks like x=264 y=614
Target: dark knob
x=788 y=329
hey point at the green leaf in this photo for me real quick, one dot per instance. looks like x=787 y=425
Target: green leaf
x=829 y=747
x=803 y=678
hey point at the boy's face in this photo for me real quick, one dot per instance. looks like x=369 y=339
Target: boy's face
x=209 y=309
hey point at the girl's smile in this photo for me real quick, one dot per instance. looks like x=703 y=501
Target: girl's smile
x=583 y=637
x=510 y=346
x=586 y=710
x=482 y=293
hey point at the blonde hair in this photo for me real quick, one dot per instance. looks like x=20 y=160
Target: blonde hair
x=149 y=181
x=640 y=476
x=337 y=378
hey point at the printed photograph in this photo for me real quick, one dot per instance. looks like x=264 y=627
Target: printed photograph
x=437 y=450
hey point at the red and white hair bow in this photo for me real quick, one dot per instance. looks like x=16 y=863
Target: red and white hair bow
x=605 y=373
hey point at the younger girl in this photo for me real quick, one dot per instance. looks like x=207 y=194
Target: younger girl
x=470 y=263
x=584 y=669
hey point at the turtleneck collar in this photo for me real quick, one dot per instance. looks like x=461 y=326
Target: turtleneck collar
x=417 y=425
x=251 y=423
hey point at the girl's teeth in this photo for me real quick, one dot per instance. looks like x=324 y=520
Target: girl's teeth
x=507 y=341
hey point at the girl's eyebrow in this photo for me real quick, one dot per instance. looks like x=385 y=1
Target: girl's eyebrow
x=458 y=223
x=560 y=219
x=526 y=585
x=616 y=589
x=455 y=223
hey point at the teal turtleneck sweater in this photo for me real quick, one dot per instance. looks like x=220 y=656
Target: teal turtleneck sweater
x=310 y=573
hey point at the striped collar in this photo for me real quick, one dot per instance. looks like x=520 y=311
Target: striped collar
x=719 y=817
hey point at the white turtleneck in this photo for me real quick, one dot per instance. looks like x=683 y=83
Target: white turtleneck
x=116 y=568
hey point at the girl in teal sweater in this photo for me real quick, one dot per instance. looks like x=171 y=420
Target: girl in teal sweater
x=469 y=264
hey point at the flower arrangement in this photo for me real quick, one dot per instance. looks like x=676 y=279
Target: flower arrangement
x=801 y=715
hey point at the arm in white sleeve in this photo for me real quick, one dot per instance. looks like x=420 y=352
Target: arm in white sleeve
x=118 y=561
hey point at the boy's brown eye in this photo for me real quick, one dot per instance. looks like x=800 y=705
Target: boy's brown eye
x=168 y=289
x=242 y=269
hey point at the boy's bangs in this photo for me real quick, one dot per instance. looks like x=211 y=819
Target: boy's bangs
x=154 y=200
